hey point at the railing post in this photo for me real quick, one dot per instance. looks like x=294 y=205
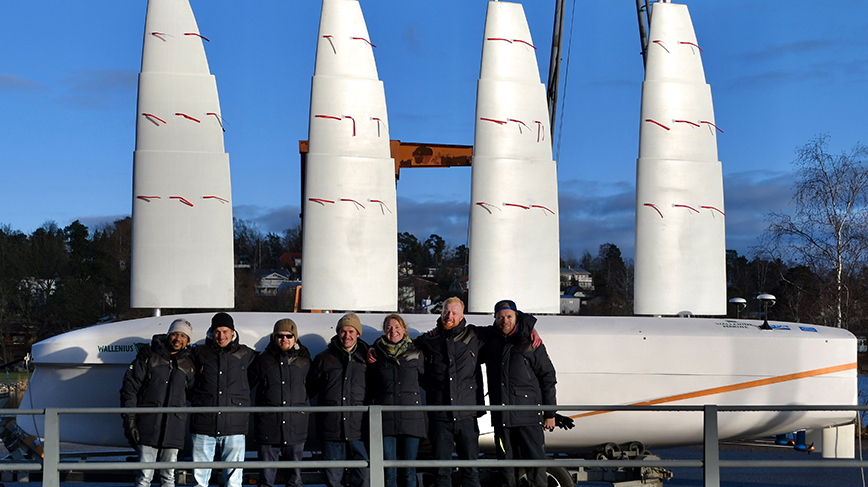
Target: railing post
x=710 y=447
x=378 y=476
x=51 y=450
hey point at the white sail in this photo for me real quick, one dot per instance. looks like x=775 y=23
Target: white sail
x=350 y=222
x=514 y=197
x=182 y=255
x=680 y=264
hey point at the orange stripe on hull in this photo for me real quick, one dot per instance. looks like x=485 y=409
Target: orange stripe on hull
x=735 y=387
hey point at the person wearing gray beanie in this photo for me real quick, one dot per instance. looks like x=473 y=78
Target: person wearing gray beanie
x=161 y=375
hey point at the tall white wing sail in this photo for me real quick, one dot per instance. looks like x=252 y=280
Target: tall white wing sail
x=182 y=204
x=514 y=196
x=350 y=223
x=680 y=243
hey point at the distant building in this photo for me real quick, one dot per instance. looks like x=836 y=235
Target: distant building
x=576 y=277
x=268 y=281
x=570 y=305
x=409 y=287
x=577 y=287
x=292 y=262
x=405 y=269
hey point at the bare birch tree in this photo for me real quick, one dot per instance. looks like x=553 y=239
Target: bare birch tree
x=828 y=229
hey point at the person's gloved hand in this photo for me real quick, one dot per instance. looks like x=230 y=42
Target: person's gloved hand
x=131 y=431
x=564 y=422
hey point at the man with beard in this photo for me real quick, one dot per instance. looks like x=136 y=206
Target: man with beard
x=221 y=380
x=337 y=378
x=519 y=374
x=279 y=375
x=159 y=377
x=451 y=378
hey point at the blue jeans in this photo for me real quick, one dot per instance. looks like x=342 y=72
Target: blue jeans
x=151 y=454
x=231 y=450
x=340 y=450
x=404 y=448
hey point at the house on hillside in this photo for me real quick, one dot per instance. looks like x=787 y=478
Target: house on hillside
x=292 y=262
x=576 y=277
x=268 y=281
x=577 y=287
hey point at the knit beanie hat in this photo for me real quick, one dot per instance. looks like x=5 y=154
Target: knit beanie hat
x=181 y=326
x=505 y=304
x=285 y=325
x=222 y=319
x=349 y=319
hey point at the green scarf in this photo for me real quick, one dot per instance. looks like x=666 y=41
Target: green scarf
x=393 y=350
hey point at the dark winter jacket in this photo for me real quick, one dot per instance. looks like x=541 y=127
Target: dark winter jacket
x=158 y=378
x=337 y=378
x=519 y=375
x=396 y=381
x=279 y=378
x=452 y=375
x=221 y=380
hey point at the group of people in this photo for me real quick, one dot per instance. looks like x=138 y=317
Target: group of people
x=444 y=363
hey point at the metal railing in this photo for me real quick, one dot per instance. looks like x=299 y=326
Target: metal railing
x=711 y=463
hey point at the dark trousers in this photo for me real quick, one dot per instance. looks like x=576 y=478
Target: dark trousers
x=404 y=448
x=270 y=453
x=346 y=450
x=526 y=443
x=463 y=436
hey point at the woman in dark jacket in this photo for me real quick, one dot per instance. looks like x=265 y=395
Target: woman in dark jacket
x=279 y=375
x=394 y=379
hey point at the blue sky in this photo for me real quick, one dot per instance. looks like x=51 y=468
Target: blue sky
x=780 y=73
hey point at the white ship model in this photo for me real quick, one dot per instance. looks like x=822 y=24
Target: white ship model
x=599 y=360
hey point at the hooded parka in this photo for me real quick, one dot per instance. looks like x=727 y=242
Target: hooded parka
x=157 y=378
x=337 y=378
x=221 y=380
x=279 y=378
x=519 y=375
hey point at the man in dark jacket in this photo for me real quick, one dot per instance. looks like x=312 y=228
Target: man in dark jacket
x=452 y=378
x=159 y=377
x=337 y=378
x=279 y=375
x=519 y=375
x=221 y=380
